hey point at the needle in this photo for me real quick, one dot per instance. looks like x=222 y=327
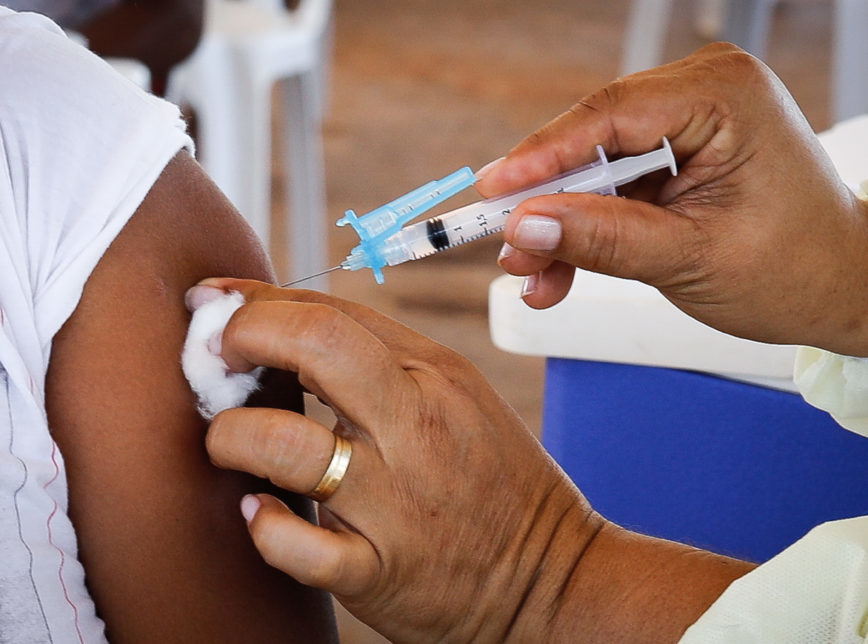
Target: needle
x=310 y=277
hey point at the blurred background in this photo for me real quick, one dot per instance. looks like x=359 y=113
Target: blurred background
x=307 y=110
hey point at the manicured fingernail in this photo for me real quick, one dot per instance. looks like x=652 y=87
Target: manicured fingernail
x=506 y=251
x=215 y=343
x=536 y=232
x=529 y=285
x=488 y=167
x=250 y=505
x=198 y=295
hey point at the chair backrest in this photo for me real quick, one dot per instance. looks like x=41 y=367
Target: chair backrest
x=314 y=15
x=274 y=5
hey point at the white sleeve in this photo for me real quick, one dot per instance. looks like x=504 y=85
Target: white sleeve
x=814 y=591
x=836 y=384
x=82 y=147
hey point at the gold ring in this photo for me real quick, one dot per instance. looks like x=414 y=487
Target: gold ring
x=335 y=472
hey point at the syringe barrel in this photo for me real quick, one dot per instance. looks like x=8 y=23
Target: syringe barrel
x=483 y=218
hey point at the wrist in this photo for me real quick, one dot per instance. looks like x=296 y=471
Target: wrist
x=841 y=322
x=551 y=606
x=610 y=584
x=518 y=593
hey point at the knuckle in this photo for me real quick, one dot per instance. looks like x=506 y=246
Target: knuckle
x=602 y=100
x=718 y=48
x=254 y=290
x=326 y=323
x=743 y=63
x=601 y=244
x=452 y=362
x=441 y=360
x=272 y=428
x=729 y=61
x=277 y=444
x=454 y=372
x=273 y=326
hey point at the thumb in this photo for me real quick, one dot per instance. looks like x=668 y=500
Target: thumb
x=342 y=563
x=620 y=237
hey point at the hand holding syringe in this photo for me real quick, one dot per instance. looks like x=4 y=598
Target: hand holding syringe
x=384 y=241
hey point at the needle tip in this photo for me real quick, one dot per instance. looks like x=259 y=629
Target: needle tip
x=310 y=277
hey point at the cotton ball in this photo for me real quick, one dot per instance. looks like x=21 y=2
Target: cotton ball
x=215 y=386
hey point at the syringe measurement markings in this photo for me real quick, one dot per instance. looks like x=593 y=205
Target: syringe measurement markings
x=438 y=236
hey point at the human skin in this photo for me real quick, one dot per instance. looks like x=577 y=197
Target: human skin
x=166 y=556
x=757 y=235
x=452 y=524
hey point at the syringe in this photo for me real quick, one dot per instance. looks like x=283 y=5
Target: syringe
x=383 y=241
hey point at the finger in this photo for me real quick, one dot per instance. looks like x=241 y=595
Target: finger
x=569 y=142
x=549 y=286
x=335 y=357
x=620 y=237
x=629 y=116
x=518 y=262
x=342 y=563
x=392 y=333
x=290 y=450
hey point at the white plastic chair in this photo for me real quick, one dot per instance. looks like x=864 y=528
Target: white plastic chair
x=746 y=23
x=850 y=59
x=246 y=48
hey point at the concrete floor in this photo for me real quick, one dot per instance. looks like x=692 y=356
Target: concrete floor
x=421 y=88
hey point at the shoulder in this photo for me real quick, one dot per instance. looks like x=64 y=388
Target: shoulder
x=80 y=148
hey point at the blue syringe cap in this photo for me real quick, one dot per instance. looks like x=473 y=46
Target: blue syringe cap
x=366 y=255
x=375 y=227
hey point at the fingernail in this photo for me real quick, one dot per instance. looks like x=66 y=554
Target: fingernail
x=529 y=285
x=506 y=251
x=488 y=167
x=250 y=505
x=536 y=232
x=200 y=294
x=215 y=343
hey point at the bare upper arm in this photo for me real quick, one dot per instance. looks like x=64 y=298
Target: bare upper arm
x=165 y=550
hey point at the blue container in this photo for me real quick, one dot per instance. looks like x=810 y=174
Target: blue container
x=731 y=467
